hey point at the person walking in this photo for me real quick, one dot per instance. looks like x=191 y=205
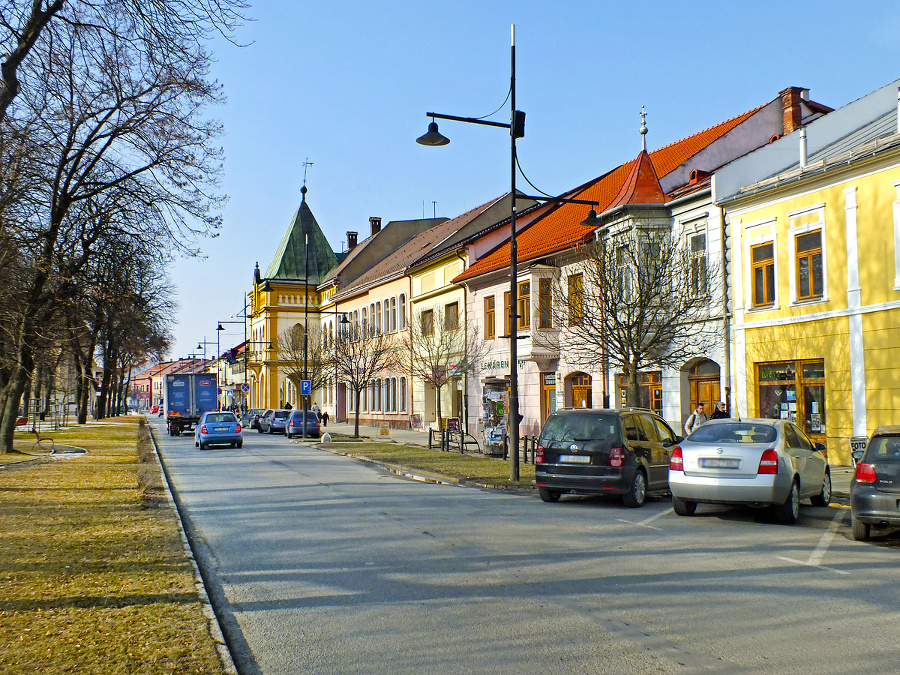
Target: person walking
x=719 y=413
x=695 y=419
x=315 y=409
x=325 y=419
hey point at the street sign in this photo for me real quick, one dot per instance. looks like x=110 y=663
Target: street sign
x=306 y=387
x=245 y=388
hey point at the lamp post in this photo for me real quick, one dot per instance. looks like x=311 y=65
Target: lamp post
x=516 y=128
x=219 y=330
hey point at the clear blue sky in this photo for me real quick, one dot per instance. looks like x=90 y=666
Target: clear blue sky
x=347 y=84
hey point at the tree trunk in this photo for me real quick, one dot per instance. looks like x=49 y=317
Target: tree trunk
x=356 y=396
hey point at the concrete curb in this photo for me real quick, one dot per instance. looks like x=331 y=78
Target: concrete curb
x=215 y=627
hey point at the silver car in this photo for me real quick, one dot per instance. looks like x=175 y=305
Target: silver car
x=759 y=462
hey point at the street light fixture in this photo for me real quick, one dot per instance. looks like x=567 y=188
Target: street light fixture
x=516 y=127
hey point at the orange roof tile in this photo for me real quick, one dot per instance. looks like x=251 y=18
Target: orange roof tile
x=561 y=228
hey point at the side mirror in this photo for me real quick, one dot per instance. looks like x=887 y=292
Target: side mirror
x=821 y=447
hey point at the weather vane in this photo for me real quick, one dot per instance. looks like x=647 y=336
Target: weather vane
x=306 y=165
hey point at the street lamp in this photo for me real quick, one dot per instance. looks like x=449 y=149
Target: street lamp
x=219 y=330
x=516 y=127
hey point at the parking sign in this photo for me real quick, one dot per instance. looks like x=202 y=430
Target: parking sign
x=305 y=387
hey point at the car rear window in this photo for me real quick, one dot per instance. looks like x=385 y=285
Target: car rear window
x=883 y=450
x=734 y=432
x=221 y=417
x=281 y=415
x=579 y=427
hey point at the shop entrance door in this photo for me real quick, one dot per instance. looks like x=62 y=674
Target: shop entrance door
x=548 y=395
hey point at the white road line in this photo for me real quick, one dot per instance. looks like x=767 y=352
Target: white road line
x=818 y=554
x=646 y=522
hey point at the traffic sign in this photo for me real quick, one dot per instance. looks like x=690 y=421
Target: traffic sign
x=305 y=387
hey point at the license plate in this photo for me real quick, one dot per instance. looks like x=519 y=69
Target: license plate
x=719 y=463
x=575 y=459
x=220 y=428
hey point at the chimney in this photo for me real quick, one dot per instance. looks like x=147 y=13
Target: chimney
x=351 y=240
x=375 y=224
x=790 y=107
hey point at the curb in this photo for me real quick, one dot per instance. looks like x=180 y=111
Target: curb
x=212 y=619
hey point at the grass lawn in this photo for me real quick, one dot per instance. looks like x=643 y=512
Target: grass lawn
x=93 y=575
x=465 y=467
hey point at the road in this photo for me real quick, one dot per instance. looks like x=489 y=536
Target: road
x=322 y=564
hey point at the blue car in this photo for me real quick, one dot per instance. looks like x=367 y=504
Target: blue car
x=218 y=428
x=296 y=427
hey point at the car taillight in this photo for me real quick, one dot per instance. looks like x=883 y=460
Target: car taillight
x=539 y=455
x=768 y=463
x=203 y=429
x=617 y=456
x=676 y=461
x=865 y=473
x=238 y=428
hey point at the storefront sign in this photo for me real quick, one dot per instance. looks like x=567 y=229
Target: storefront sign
x=500 y=364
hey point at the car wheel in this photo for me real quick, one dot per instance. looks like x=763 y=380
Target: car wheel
x=289 y=436
x=637 y=493
x=548 y=496
x=683 y=507
x=196 y=444
x=861 y=531
x=240 y=444
x=788 y=512
x=203 y=446
x=824 y=497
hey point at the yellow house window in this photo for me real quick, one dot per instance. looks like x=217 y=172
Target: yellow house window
x=506 y=312
x=545 y=303
x=524 y=305
x=763 y=262
x=809 y=265
x=490 y=328
x=576 y=299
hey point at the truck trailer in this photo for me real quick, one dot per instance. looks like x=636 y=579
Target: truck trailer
x=188 y=396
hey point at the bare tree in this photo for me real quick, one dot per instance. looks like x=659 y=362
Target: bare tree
x=637 y=299
x=360 y=356
x=159 y=30
x=301 y=359
x=126 y=148
x=438 y=347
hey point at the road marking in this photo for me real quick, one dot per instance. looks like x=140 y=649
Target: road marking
x=818 y=554
x=646 y=522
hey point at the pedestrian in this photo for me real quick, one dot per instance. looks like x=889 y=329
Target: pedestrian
x=695 y=419
x=325 y=418
x=315 y=409
x=720 y=412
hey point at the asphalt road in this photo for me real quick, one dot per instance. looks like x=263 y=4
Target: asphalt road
x=321 y=564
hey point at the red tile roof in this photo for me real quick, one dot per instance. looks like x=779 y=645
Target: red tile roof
x=561 y=227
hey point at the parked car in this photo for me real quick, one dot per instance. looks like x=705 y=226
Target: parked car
x=154 y=409
x=259 y=424
x=250 y=418
x=613 y=452
x=296 y=427
x=218 y=428
x=875 y=488
x=274 y=422
x=758 y=462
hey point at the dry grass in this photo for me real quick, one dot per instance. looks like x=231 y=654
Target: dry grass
x=93 y=576
x=465 y=467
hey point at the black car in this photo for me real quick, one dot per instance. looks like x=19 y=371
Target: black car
x=296 y=427
x=610 y=452
x=875 y=489
x=250 y=419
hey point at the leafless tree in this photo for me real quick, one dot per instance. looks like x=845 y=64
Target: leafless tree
x=360 y=355
x=158 y=30
x=125 y=147
x=301 y=359
x=438 y=347
x=636 y=300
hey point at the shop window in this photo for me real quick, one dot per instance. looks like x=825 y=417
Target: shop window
x=763 y=270
x=809 y=265
x=794 y=391
x=545 y=303
x=489 y=318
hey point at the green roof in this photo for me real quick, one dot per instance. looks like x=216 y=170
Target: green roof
x=290 y=258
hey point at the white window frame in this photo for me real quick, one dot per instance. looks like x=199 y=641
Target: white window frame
x=793 y=232
x=763 y=237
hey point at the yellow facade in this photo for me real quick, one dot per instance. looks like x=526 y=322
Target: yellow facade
x=845 y=334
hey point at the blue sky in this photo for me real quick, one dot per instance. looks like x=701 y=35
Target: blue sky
x=347 y=84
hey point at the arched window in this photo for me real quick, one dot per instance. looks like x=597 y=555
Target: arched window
x=402 y=394
x=393 y=315
x=403 y=311
x=378 y=318
x=365 y=322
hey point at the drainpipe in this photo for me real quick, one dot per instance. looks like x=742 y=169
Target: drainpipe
x=803 y=148
x=726 y=316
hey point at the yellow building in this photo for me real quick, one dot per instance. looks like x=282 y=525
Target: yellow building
x=814 y=241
